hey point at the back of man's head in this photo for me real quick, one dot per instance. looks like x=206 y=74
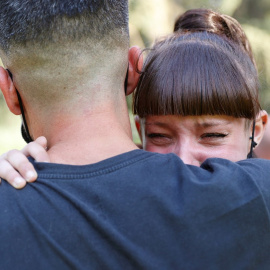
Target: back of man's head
x=60 y=52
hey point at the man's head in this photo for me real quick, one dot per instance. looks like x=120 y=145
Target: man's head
x=64 y=55
x=51 y=21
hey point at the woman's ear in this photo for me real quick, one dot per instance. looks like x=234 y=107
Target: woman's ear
x=9 y=91
x=140 y=128
x=135 y=63
x=138 y=125
x=260 y=125
x=263 y=149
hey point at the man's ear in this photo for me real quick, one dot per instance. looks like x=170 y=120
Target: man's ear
x=260 y=126
x=135 y=63
x=9 y=91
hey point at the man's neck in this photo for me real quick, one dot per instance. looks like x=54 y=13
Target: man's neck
x=89 y=138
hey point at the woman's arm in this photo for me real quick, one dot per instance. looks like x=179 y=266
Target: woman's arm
x=16 y=169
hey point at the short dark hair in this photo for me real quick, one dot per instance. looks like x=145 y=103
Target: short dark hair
x=21 y=21
x=197 y=74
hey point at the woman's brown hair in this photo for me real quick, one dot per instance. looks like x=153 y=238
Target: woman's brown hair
x=195 y=20
x=197 y=73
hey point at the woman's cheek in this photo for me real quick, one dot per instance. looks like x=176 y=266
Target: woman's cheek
x=157 y=149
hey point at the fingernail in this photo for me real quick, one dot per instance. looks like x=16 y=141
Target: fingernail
x=18 y=181
x=30 y=175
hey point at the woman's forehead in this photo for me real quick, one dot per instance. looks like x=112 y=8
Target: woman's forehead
x=197 y=121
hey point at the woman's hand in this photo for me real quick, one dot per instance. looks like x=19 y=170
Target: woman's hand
x=16 y=169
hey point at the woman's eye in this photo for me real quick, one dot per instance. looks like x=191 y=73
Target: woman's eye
x=155 y=135
x=214 y=135
x=158 y=138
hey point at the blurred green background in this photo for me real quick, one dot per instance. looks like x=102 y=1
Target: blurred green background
x=154 y=18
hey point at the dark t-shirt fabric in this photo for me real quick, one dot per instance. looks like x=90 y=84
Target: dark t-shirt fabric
x=139 y=210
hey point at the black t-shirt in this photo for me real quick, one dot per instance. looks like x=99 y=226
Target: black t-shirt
x=139 y=210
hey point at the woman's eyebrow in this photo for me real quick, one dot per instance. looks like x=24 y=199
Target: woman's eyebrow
x=200 y=123
x=213 y=123
x=157 y=123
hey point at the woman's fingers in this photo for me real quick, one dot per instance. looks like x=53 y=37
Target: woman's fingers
x=11 y=162
x=37 y=150
x=16 y=169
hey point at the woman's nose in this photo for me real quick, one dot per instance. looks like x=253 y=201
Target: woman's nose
x=189 y=154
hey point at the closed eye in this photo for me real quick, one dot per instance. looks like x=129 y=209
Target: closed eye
x=155 y=135
x=214 y=135
x=159 y=139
